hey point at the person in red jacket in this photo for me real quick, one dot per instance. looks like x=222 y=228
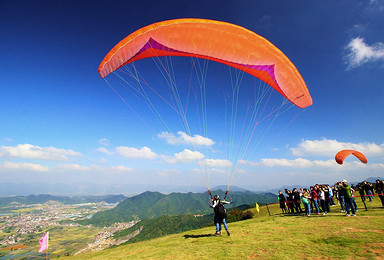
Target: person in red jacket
x=314 y=199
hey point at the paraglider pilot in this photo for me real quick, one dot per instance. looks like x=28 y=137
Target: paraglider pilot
x=220 y=213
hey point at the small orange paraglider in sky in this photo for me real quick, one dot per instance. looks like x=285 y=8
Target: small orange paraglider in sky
x=341 y=155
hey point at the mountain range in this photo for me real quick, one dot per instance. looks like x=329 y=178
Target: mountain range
x=43 y=198
x=154 y=204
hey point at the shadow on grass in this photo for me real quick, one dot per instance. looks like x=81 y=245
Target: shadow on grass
x=197 y=236
x=290 y=214
x=319 y=215
x=312 y=215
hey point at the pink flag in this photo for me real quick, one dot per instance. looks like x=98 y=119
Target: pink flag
x=43 y=242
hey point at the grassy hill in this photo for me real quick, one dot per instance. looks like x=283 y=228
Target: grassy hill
x=154 y=204
x=269 y=237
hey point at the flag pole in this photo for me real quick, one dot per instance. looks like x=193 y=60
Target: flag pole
x=46 y=256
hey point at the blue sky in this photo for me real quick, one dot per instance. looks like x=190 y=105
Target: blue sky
x=61 y=123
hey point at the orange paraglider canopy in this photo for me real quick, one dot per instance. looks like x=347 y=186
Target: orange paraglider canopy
x=340 y=156
x=213 y=40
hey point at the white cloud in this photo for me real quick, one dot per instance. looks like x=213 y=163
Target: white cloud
x=165 y=173
x=122 y=168
x=24 y=166
x=329 y=148
x=216 y=171
x=297 y=163
x=72 y=167
x=218 y=163
x=185 y=156
x=104 y=142
x=316 y=165
x=91 y=168
x=359 y=53
x=104 y=150
x=102 y=160
x=359 y=28
x=376 y=5
x=184 y=139
x=29 y=151
x=376 y=166
x=131 y=152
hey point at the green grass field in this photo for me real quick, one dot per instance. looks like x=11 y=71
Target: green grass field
x=270 y=237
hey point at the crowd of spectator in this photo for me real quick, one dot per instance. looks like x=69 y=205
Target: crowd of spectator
x=320 y=197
